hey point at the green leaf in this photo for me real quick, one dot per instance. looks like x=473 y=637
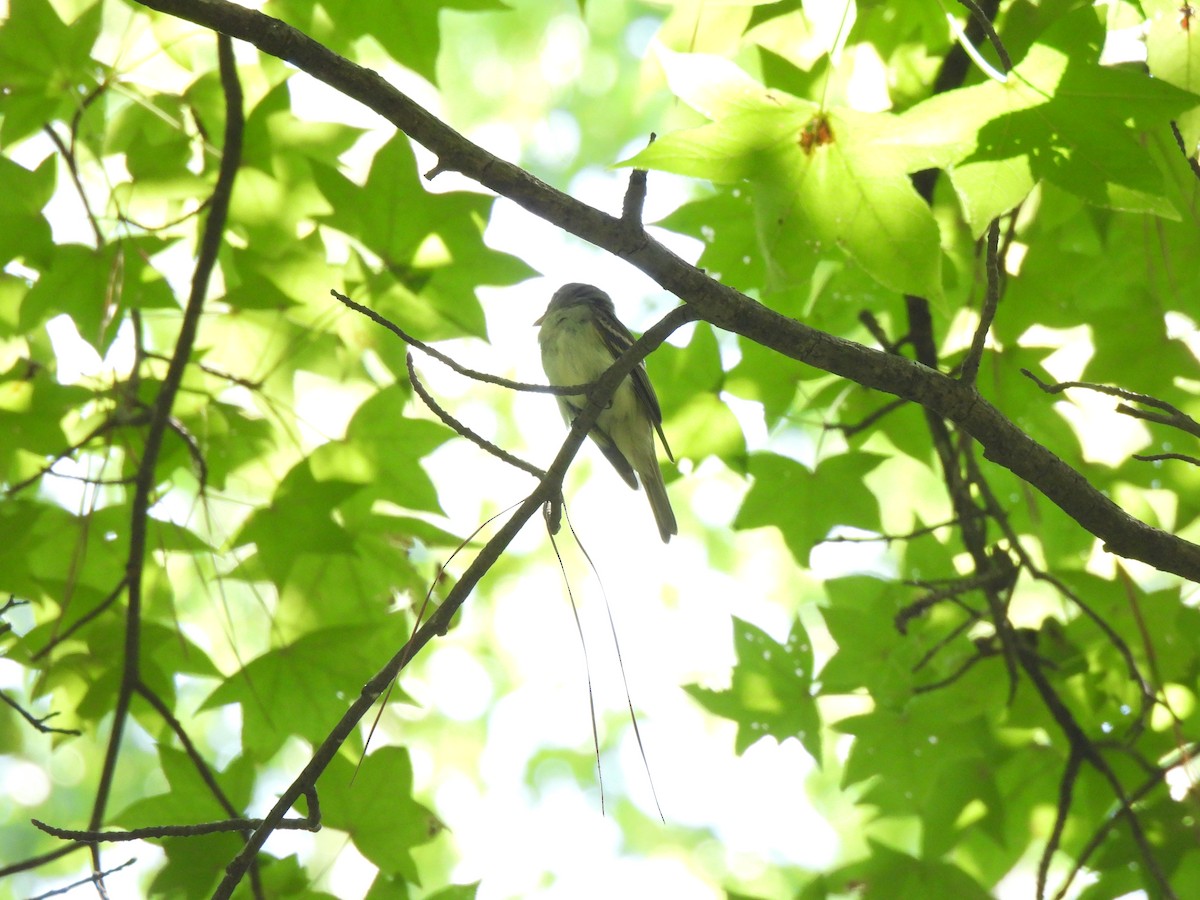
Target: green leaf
x=688 y=382
x=188 y=800
x=303 y=689
x=280 y=277
x=409 y=33
x=771 y=690
x=459 y=891
x=46 y=65
x=805 y=506
x=94 y=286
x=383 y=450
x=377 y=809
x=821 y=177
x=1173 y=55
x=193 y=865
x=724 y=222
x=32 y=408
x=299 y=520
x=768 y=378
x=286 y=878
x=871 y=653
x=1060 y=117
x=887 y=873
x=431 y=245
x=24 y=231
x=192 y=862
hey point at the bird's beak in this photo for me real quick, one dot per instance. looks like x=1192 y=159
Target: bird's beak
x=538 y=321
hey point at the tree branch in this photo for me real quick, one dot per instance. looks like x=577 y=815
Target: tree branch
x=1003 y=442
x=549 y=488
x=160 y=421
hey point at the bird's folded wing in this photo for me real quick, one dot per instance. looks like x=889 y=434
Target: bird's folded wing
x=617 y=339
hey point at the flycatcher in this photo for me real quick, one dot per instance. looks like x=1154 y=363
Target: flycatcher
x=580 y=337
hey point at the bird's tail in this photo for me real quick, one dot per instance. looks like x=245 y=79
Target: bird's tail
x=657 y=492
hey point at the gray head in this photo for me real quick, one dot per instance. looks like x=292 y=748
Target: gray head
x=575 y=294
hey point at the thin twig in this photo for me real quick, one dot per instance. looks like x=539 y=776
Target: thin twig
x=1172 y=416
x=68 y=155
x=105 y=426
x=91 y=879
x=36 y=862
x=480 y=441
x=889 y=538
x=1066 y=788
x=993 y=508
x=225 y=826
x=635 y=194
x=1154 y=781
x=981 y=19
x=1159 y=457
x=35 y=721
x=868 y=420
x=92 y=613
x=189 y=748
x=970 y=366
x=441 y=357
x=869 y=322
x=1191 y=158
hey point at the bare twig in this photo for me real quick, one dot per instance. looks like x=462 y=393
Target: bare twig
x=1154 y=781
x=981 y=19
x=104 y=427
x=36 y=862
x=1170 y=415
x=224 y=826
x=1159 y=457
x=635 y=195
x=871 y=323
x=100 y=607
x=449 y=361
x=1088 y=750
x=1066 y=788
x=1002 y=578
x=868 y=420
x=68 y=155
x=970 y=366
x=38 y=722
x=1189 y=155
x=193 y=753
x=498 y=452
x=958 y=673
x=888 y=538
x=91 y=879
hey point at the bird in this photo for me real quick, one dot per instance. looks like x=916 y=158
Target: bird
x=580 y=337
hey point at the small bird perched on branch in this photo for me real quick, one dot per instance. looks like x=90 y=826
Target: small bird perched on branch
x=580 y=337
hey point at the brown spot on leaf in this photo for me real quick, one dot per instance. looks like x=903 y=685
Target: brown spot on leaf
x=815 y=133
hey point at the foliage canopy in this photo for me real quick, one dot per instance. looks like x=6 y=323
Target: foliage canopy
x=932 y=388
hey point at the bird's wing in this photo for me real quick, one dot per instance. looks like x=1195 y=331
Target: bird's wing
x=606 y=444
x=617 y=339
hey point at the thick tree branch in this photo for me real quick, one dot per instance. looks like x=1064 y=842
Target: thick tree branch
x=1003 y=442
